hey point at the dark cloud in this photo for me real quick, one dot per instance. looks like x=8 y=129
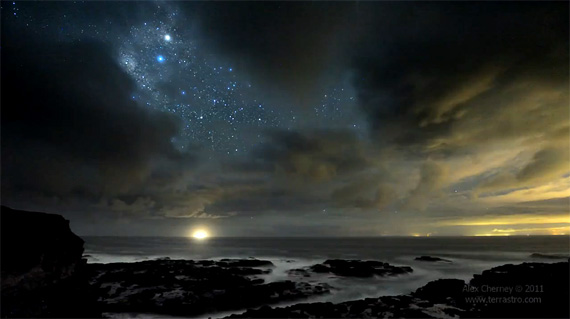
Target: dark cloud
x=556 y=204
x=432 y=178
x=313 y=156
x=453 y=75
x=292 y=46
x=364 y=194
x=300 y=172
x=70 y=127
x=545 y=165
x=460 y=98
x=269 y=200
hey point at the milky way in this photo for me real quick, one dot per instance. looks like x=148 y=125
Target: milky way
x=222 y=109
x=218 y=105
x=309 y=118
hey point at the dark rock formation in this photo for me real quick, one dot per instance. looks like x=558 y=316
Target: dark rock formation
x=299 y=272
x=538 y=290
x=528 y=290
x=187 y=288
x=42 y=267
x=431 y=259
x=440 y=290
x=383 y=307
x=245 y=263
x=353 y=268
x=549 y=256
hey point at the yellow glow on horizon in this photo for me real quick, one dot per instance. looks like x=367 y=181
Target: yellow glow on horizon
x=492 y=235
x=517 y=219
x=550 y=230
x=200 y=234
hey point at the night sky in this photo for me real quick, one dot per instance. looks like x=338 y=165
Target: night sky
x=288 y=119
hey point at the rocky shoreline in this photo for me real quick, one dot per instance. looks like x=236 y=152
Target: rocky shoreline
x=527 y=290
x=190 y=288
x=352 y=268
x=44 y=274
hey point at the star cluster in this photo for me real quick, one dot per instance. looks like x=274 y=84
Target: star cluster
x=175 y=76
x=220 y=106
x=368 y=118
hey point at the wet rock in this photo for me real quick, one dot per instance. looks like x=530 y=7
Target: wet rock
x=383 y=307
x=320 y=268
x=527 y=290
x=354 y=268
x=163 y=258
x=246 y=263
x=441 y=290
x=299 y=272
x=543 y=292
x=548 y=256
x=432 y=259
x=188 y=288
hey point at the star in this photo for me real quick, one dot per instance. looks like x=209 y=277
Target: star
x=205 y=97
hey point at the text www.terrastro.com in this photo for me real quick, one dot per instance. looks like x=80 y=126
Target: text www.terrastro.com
x=502 y=300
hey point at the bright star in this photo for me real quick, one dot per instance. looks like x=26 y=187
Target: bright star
x=167 y=37
x=160 y=58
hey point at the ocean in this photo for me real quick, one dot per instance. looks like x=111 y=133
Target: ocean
x=469 y=255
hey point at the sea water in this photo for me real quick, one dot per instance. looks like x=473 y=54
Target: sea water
x=469 y=255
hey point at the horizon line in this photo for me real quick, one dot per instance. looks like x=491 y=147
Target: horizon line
x=378 y=236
